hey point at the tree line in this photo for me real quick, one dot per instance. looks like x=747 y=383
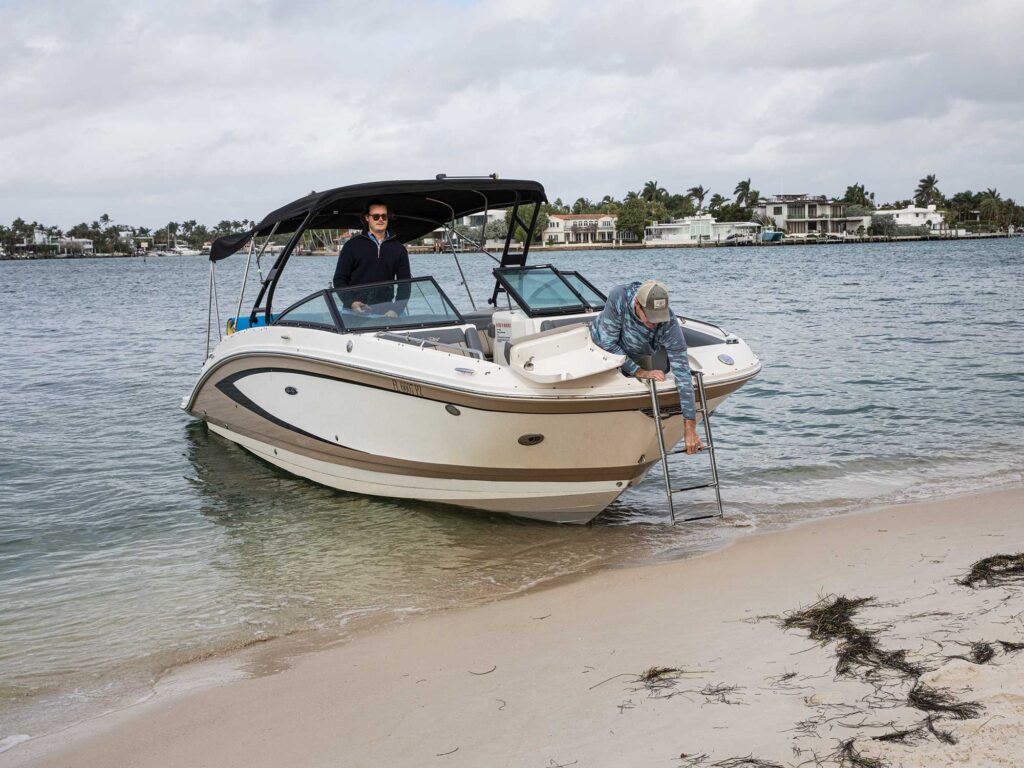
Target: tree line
x=110 y=237
x=986 y=210
x=982 y=210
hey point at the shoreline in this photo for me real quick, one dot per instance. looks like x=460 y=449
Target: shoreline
x=537 y=248
x=513 y=633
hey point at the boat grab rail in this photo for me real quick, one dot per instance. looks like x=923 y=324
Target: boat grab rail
x=725 y=333
x=423 y=343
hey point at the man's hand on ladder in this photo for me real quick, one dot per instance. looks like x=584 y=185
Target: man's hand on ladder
x=690 y=436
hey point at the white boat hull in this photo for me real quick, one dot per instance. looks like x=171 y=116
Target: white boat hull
x=565 y=502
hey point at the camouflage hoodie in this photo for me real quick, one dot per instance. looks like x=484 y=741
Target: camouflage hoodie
x=618 y=330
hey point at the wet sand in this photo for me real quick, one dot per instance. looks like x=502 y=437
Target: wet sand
x=557 y=677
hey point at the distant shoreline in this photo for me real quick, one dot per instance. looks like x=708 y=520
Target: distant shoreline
x=421 y=249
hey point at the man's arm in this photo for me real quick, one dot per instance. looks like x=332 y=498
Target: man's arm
x=675 y=346
x=607 y=329
x=343 y=269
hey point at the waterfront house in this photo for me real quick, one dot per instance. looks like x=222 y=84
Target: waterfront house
x=43 y=243
x=585 y=229
x=694 y=230
x=916 y=217
x=807 y=214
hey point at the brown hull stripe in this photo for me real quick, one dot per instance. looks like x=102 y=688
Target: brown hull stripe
x=479 y=401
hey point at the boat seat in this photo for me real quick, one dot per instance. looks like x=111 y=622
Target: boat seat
x=481 y=318
x=465 y=338
x=559 y=327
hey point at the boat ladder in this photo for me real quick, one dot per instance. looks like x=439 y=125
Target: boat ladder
x=709 y=449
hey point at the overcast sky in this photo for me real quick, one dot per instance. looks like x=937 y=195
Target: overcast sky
x=154 y=111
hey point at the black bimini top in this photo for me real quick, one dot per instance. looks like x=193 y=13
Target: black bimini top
x=418 y=207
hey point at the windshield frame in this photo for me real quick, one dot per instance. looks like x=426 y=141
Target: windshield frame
x=336 y=303
x=501 y=275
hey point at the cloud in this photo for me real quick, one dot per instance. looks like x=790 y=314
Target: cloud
x=169 y=110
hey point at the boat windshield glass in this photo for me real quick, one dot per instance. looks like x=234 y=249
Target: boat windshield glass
x=543 y=290
x=415 y=303
x=313 y=312
x=594 y=298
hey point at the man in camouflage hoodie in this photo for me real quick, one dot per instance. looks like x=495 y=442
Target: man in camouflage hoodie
x=637 y=321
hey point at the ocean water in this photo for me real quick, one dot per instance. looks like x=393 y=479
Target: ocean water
x=133 y=541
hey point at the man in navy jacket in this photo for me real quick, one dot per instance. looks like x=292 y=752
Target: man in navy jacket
x=375 y=255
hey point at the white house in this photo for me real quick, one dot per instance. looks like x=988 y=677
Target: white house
x=916 y=217
x=804 y=214
x=699 y=229
x=584 y=229
x=43 y=242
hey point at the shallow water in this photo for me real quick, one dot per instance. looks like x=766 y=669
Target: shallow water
x=132 y=540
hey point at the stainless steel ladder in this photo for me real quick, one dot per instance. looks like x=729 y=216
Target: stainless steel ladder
x=709 y=447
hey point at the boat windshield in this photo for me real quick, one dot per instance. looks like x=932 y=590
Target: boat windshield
x=543 y=290
x=415 y=303
x=590 y=294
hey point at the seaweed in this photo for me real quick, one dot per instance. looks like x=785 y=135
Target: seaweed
x=904 y=736
x=658 y=674
x=940 y=701
x=848 y=757
x=944 y=736
x=828 y=619
x=981 y=653
x=720 y=693
x=831 y=620
x=1010 y=647
x=996 y=571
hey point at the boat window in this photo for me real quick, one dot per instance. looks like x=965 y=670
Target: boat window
x=313 y=311
x=594 y=298
x=416 y=303
x=540 y=290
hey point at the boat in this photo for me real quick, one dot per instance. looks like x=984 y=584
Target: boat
x=508 y=407
x=771 y=235
x=183 y=249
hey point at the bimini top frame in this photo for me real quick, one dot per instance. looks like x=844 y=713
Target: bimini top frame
x=420 y=208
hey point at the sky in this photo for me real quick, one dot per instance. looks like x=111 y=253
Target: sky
x=152 y=111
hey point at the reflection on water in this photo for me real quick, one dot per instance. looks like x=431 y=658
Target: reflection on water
x=132 y=539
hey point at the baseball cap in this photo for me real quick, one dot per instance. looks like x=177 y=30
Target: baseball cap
x=653 y=297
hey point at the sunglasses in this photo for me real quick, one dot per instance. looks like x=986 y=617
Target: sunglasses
x=378 y=216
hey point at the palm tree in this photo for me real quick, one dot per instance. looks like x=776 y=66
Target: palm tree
x=753 y=198
x=717 y=201
x=927 y=191
x=652 y=192
x=856 y=194
x=742 y=193
x=698 y=193
x=582 y=205
x=631 y=195
x=991 y=206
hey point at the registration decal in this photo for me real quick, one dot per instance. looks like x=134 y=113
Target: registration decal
x=407 y=388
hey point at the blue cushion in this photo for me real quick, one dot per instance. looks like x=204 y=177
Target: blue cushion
x=241 y=323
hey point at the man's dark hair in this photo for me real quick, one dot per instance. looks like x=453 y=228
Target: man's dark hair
x=375 y=201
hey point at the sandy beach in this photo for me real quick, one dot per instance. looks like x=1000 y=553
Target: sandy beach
x=837 y=642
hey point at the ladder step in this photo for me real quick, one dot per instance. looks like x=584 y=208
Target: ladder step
x=699 y=517
x=694 y=487
x=706 y=449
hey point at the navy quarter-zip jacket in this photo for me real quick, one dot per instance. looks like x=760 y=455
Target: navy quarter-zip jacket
x=363 y=260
